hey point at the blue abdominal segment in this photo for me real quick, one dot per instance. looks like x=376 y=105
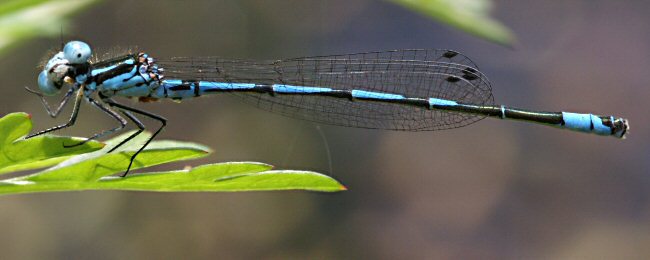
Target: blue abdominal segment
x=181 y=89
x=289 y=89
x=587 y=123
x=436 y=102
x=371 y=95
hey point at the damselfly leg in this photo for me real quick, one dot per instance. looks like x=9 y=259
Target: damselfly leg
x=62 y=104
x=73 y=116
x=163 y=122
x=111 y=113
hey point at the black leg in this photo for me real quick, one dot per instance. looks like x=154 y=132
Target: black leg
x=73 y=117
x=58 y=110
x=108 y=111
x=140 y=128
x=162 y=120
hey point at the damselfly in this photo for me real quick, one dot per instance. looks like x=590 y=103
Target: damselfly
x=408 y=90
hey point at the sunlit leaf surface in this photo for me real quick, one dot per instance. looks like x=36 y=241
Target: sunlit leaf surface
x=95 y=169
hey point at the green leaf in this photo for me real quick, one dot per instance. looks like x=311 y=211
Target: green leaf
x=221 y=177
x=90 y=171
x=23 y=19
x=232 y=176
x=472 y=16
x=17 y=154
x=92 y=166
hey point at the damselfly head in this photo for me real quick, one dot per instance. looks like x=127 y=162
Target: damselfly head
x=62 y=65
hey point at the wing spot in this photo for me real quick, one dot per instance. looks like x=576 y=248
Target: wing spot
x=453 y=79
x=450 y=54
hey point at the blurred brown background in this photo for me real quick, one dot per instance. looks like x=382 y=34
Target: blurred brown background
x=495 y=189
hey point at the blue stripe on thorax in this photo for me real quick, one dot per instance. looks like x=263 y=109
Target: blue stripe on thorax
x=95 y=72
x=125 y=83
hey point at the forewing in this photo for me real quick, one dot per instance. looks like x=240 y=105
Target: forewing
x=440 y=74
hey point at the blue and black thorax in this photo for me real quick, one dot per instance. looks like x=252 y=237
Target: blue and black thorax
x=135 y=75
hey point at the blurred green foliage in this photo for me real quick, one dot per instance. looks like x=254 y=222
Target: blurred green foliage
x=472 y=16
x=91 y=170
x=24 y=19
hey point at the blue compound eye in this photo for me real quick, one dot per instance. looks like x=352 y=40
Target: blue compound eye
x=46 y=85
x=77 y=52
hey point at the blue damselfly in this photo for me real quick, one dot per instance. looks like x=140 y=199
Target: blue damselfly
x=408 y=90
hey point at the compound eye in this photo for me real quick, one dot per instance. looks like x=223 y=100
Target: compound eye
x=77 y=52
x=46 y=85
